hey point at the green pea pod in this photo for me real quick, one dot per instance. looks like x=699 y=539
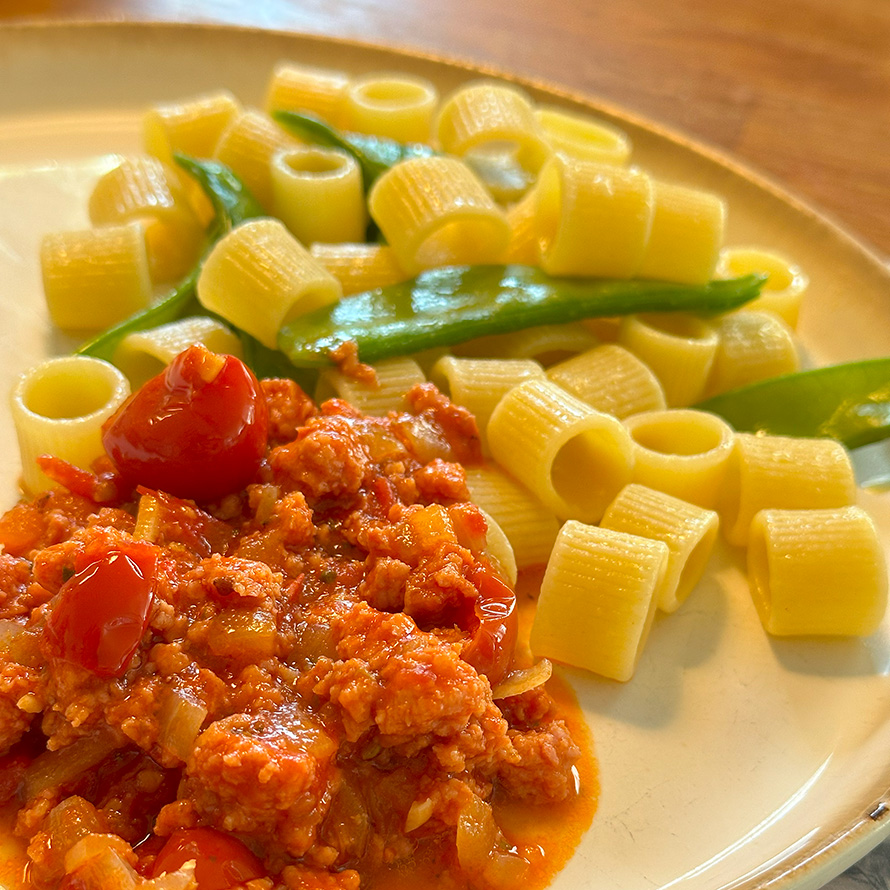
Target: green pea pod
x=849 y=402
x=375 y=154
x=232 y=203
x=449 y=305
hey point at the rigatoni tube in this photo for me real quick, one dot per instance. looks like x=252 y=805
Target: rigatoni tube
x=259 y=276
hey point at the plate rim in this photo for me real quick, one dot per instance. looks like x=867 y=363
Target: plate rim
x=812 y=865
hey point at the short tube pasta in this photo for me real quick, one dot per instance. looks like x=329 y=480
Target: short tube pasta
x=247 y=146
x=143 y=354
x=359 y=266
x=394 y=377
x=817 y=572
x=530 y=527
x=782 y=473
x=434 y=211
x=582 y=136
x=679 y=348
x=575 y=459
x=681 y=452
x=143 y=189
x=318 y=194
x=546 y=344
x=686 y=234
x=259 y=276
x=593 y=219
x=479 y=384
x=785 y=287
x=395 y=106
x=94 y=278
x=598 y=599
x=295 y=87
x=752 y=346
x=191 y=126
x=611 y=379
x=689 y=532
x=483 y=113
x=58 y=408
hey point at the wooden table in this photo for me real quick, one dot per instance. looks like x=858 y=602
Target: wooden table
x=799 y=89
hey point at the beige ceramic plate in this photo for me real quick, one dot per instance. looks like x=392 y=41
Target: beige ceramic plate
x=730 y=760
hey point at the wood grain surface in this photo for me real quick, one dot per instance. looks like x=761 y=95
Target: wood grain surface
x=798 y=89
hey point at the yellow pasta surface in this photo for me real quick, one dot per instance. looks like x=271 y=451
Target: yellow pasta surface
x=817 y=572
x=598 y=599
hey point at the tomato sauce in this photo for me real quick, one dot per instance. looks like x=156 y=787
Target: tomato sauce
x=288 y=681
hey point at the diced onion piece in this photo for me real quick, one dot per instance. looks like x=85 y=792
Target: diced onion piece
x=102 y=861
x=70 y=821
x=237 y=633
x=59 y=407
x=54 y=768
x=259 y=276
x=523 y=680
x=179 y=723
x=419 y=814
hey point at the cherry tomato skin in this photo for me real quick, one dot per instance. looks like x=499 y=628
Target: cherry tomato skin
x=101 y=612
x=490 y=650
x=221 y=861
x=197 y=430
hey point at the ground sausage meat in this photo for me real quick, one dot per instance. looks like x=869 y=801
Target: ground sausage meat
x=294 y=684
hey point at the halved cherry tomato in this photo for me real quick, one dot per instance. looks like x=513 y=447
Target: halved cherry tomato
x=491 y=648
x=221 y=861
x=197 y=430
x=101 y=612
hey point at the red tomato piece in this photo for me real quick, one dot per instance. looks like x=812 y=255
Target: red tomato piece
x=221 y=861
x=197 y=430
x=490 y=650
x=101 y=612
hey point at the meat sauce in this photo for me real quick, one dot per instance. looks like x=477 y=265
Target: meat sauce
x=290 y=685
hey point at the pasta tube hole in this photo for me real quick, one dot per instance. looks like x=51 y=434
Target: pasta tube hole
x=676 y=324
x=584 y=473
x=667 y=436
x=55 y=392
x=395 y=93
x=315 y=162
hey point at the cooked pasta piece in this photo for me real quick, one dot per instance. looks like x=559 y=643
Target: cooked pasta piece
x=752 y=346
x=689 y=532
x=785 y=287
x=479 y=384
x=191 y=126
x=679 y=348
x=318 y=194
x=686 y=234
x=94 y=278
x=681 y=452
x=545 y=344
x=396 y=106
x=530 y=527
x=582 y=136
x=394 y=377
x=782 y=473
x=433 y=211
x=143 y=189
x=247 y=146
x=58 y=408
x=143 y=354
x=817 y=572
x=575 y=459
x=486 y=113
x=259 y=276
x=611 y=379
x=593 y=219
x=523 y=219
x=360 y=266
x=294 y=87
x=598 y=599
